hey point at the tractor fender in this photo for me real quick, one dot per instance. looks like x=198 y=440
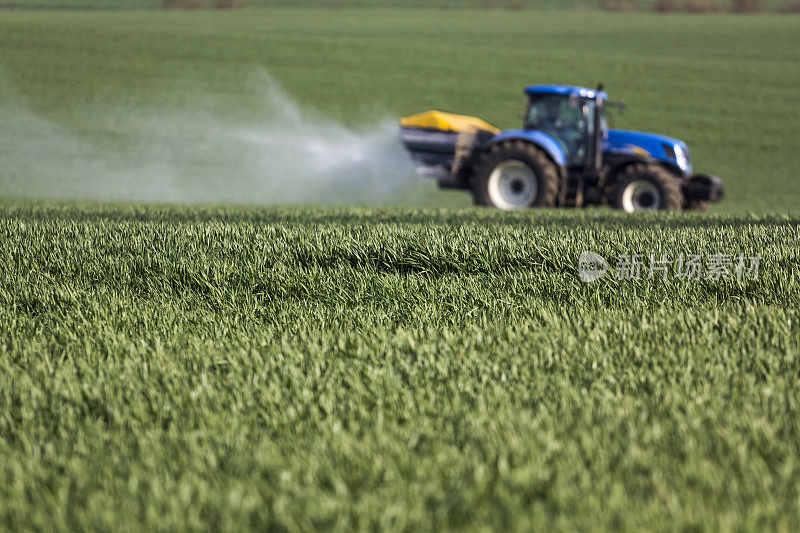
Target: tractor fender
x=545 y=142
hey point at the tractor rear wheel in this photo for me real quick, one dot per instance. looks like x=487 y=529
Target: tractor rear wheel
x=644 y=187
x=515 y=175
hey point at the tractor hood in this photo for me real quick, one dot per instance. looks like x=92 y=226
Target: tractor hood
x=671 y=151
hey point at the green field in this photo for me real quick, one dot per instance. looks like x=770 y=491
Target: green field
x=162 y=91
x=622 y=5
x=300 y=369
x=249 y=367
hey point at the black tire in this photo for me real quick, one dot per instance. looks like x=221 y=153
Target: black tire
x=663 y=192
x=545 y=173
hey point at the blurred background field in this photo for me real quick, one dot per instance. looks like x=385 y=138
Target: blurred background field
x=664 y=6
x=727 y=85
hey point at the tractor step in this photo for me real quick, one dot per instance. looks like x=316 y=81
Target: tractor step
x=572 y=191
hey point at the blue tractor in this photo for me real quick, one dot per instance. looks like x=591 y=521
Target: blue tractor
x=565 y=155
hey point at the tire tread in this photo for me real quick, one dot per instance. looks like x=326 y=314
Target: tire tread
x=672 y=197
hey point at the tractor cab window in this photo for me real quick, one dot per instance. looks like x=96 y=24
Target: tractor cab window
x=565 y=117
x=590 y=105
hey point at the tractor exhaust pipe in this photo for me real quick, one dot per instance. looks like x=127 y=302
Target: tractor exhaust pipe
x=597 y=145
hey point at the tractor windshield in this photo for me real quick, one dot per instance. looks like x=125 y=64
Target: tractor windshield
x=565 y=117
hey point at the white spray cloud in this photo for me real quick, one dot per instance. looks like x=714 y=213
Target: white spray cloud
x=39 y=158
x=281 y=154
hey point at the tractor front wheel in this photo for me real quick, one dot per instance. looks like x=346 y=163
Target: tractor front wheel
x=515 y=175
x=644 y=187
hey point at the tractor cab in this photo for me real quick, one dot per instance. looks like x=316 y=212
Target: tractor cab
x=568 y=115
